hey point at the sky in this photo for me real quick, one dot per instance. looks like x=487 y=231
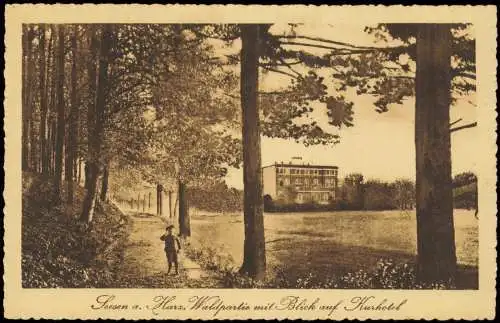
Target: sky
x=380 y=146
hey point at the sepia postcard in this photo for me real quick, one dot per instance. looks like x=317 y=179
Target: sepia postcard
x=250 y=162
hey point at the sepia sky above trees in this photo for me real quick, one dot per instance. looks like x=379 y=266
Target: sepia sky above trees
x=383 y=143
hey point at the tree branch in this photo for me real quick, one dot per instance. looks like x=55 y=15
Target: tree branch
x=455 y=122
x=407 y=77
x=203 y=35
x=289 y=67
x=471 y=103
x=470 y=125
x=323 y=40
x=320 y=46
x=274 y=92
x=344 y=51
x=283 y=64
x=465 y=74
x=278 y=71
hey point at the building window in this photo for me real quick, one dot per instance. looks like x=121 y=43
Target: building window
x=287 y=181
x=297 y=181
x=306 y=181
x=325 y=197
x=281 y=183
x=315 y=181
x=299 y=197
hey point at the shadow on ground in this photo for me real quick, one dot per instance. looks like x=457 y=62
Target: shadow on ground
x=326 y=258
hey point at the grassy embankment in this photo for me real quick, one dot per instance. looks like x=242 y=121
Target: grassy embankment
x=60 y=251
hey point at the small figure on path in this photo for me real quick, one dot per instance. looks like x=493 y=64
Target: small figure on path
x=170 y=248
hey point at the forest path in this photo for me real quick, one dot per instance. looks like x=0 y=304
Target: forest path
x=144 y=262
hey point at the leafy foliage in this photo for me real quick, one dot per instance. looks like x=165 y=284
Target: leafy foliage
x=57 y=250
x=465 y=190
x=396 y=68
x=189 y=102
x=387 y=274
x=216 y=198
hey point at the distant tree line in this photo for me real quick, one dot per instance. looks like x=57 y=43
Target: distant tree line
x=357 y=194
x=465 y=191
x=216 y=198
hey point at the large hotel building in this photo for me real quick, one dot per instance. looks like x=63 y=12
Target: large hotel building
x=300 y=183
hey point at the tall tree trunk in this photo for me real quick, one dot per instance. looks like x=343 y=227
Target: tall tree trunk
x=60 y=113
x=170 y=204
x=24 y=62
x=45 y=67
x=91 y=107
x=33 y=127
x=75 y=168
x=254 y=255
x=49 y=147
x=184 y=220
x=87 y=173
x=159 y=200
x=104 y=184
x=28 y=99
x=53 y=102
x=90 y=193
x=79 y=177
x=53 y=145
x=175 y=204
x=33 y=144
x=435 y=229
x=95 y=136
x=476 y=201
x=71 y=148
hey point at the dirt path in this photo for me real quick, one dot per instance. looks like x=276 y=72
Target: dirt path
x=144 y=263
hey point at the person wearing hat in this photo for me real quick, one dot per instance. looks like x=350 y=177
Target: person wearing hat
x=170 y=248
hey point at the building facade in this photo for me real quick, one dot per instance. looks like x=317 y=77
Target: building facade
x=300 y=183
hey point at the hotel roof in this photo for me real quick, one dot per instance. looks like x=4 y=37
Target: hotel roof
x=302 y=165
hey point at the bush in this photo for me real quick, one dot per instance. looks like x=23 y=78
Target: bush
x=278 y=206
x=386 y=275
x=60 y=251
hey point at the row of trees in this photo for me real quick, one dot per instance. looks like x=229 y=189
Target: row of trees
x=75 y=97
x=119 y=96
x=216 y=198
x=53 y=91
x=353 y=194
x=465 y=191
x=356 y=194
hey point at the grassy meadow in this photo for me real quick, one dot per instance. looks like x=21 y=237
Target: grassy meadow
x=326 y=243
